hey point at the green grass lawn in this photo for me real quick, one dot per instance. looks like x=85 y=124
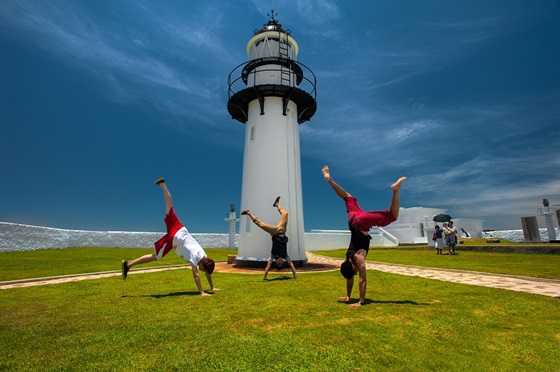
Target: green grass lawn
x=156 y=321
x=526 y=264
x=50 y=262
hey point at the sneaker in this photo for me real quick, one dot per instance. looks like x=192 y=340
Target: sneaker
x=159 y=180
x=276 y=202
x=125 y=269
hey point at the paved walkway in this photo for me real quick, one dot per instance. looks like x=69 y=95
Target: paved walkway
x=545 y=287
x=318 y=263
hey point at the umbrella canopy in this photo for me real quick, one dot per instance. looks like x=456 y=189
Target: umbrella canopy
x=442 y=218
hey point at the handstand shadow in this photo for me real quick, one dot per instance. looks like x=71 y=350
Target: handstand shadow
x=279 y=278
x=403 y=302
x=174 y=294
x=368 y=302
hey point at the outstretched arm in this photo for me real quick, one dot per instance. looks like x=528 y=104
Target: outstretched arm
x=209 y=278
x=349 y=286
x=267 y=269
x=291 y=265
x=361 y=264
x=197 y=280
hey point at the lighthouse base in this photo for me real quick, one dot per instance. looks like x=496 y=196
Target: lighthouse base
x=240 y=262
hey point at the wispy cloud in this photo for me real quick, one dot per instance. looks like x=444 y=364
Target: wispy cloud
x=313 y=11
x=319 y=15
x=137 y=66
x=490 y=186
x=406 y=132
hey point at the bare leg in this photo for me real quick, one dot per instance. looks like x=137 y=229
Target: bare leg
x=395 y=203
x=166 y=195
x=339 y=190
x=281 y=228
x=142 y=260
x=126 y=265
x=272 y=230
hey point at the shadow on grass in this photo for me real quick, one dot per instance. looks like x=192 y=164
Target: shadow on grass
x=403 y=302
x=368 y=302
x=174 y=294
x=279 y=278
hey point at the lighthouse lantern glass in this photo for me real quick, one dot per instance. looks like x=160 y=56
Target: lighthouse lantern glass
x=267 y=44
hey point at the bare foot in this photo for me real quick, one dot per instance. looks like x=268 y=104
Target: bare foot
x=326 y=173
x=397 y=185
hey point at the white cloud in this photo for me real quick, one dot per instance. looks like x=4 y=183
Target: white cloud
x=409 y=131
x=116 y=52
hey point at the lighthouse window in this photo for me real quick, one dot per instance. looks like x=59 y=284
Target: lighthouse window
x=252 y=134
x=248 y=226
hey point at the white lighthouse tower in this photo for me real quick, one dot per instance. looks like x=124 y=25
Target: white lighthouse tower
x=271 y=95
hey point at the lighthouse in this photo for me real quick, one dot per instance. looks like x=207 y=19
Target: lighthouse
x=272 y=95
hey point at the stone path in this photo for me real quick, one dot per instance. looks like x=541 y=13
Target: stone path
x=318 y=263
x=79 y=277
x=545 y=287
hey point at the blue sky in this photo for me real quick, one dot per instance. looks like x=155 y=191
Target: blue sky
x=99 y=98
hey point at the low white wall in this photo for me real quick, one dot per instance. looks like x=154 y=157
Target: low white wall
x=326 y=241
x=18 y=237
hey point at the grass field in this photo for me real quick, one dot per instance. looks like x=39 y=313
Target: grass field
x=157 y=321
x=50 y=262
x=526 y=264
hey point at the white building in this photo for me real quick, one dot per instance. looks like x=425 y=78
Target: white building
x=415 y=225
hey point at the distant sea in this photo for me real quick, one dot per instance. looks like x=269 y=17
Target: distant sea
x=516 y=235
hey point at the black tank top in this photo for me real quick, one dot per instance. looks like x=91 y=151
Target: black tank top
x=358 y=240
x=279 y=246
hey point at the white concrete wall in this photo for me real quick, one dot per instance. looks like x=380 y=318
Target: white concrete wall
x=18 y=237
x=406 y=233
x=416 y=215
x=328 y=240
x=315 y=241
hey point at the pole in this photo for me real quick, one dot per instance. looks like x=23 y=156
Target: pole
x=232 y=220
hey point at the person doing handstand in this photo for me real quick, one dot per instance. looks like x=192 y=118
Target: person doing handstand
x=179 y=239
x=359 y=223
x=279 y=252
